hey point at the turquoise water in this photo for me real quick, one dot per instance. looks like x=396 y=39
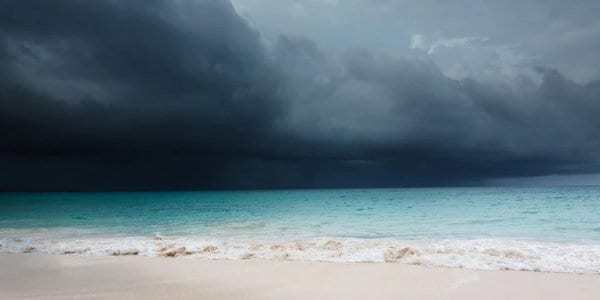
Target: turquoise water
x=561 y=214
x=373 y=219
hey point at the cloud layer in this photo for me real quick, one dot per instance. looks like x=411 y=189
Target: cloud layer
x=107 y=95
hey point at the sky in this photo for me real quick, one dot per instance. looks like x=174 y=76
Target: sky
x=258 y=94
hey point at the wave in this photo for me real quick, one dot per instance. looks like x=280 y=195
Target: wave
x=482 y=254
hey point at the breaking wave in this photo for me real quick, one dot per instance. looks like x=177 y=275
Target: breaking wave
x=483 y=254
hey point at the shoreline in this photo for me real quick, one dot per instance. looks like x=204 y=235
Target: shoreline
x=52 y=276
x=471 y=254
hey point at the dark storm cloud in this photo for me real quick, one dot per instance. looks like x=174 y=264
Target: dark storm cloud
x=161 y=83
x=185 y=94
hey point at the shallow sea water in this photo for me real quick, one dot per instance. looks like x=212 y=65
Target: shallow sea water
x=540 y=229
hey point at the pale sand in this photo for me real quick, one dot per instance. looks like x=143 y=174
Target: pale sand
x=41 y=276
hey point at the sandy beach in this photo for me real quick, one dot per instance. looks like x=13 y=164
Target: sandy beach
x=45 y=276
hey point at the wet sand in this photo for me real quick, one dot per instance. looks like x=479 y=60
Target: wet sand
x=45 y=276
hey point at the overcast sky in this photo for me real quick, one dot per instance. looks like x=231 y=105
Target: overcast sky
x=195 y=94
x=464 y=37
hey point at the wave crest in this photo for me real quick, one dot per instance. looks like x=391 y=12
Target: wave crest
x=486 y=254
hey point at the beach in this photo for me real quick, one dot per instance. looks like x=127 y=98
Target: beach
x=305 y=149
x=434 y=243
x=551 y=230
x=47 y=276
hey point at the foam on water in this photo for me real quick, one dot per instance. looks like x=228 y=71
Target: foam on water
x=538 y=229
x=484 y=254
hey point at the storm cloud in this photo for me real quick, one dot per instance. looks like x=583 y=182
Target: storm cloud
x=183 y=94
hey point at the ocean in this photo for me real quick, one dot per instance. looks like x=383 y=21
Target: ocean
x=554 y=229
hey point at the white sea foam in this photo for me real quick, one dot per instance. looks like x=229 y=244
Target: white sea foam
x=487 y=254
